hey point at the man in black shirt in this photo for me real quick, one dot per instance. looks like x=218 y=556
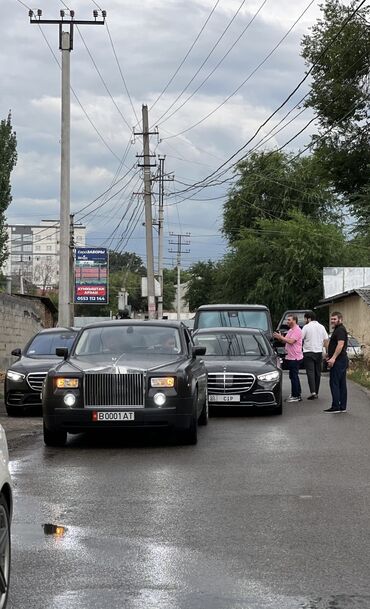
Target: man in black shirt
x=338 y=364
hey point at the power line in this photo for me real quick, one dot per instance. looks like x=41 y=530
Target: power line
x=121 y=73
x=285 y=101
x=109 y=198
x=199 y=122
x=78 y=211
x=79 y=102
x=186 y=55
x=103 y=81
x=204 y=61
x=217 y=64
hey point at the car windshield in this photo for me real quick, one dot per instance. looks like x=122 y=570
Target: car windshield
x=46 y=343
x=353 y=342
x=232 y=344
x=233 y=318
x=116 y=340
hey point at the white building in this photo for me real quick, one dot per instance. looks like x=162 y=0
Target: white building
x=34 y=252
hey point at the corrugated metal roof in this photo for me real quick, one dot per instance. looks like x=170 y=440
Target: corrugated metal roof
x=364 y=293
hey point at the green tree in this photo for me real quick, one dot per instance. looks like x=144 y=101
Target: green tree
x=169 y=288
x=8 y=159
x=340 y=96
x=121 y=261
x=280 y=263
x=203 y=284
x=271 y=185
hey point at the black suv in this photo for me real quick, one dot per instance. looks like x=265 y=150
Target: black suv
x=234 y=316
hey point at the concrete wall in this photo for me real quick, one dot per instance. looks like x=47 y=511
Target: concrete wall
x=356 y=317
x=20 y=319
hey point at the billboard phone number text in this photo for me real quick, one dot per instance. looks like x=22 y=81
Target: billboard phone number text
x=91 y=299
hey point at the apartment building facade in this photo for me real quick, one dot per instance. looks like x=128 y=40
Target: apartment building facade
x=34 y=252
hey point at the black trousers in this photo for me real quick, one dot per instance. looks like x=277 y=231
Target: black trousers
x=312 y=362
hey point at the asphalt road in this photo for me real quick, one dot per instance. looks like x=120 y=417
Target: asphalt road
x=264 y=513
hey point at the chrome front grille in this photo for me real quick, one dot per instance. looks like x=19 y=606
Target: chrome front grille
x=36 y=380
x=229 y=382
x=114 y=390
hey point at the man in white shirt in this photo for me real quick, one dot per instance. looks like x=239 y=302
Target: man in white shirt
x=315 y=337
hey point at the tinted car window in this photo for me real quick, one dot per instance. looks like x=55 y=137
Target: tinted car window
x=352 y=342
x=117 y=340
x=47 y=343
x=237 y=319
x=231 y=344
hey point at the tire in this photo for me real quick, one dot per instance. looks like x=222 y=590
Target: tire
x=14 y=411
x=5 y=552
x=278 y=410
x=203 y=419
x=189 y=436
x=54 y=438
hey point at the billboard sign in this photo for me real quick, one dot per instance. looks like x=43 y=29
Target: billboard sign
x=91 y=276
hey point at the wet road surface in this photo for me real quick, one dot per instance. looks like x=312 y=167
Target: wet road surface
x=264 y=513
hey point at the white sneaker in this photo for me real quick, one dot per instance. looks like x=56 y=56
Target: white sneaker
x=292 y=399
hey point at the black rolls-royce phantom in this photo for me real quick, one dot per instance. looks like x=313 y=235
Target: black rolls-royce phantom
x=124 y=374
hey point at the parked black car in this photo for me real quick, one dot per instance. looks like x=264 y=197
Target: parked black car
x=127 y=374
x=24 y=378
x=243 y=369
x=234 y=316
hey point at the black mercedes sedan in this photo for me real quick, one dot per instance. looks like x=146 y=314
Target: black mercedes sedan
x=125 y=374
x=243 y=369
x=24 y=378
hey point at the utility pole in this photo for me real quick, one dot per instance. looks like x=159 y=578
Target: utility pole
x=148 y=209
x=181 y=242
x=162 y=180
x=71 y=268
x=65 y=308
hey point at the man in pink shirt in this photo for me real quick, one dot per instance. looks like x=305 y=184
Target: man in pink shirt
x=294 y=355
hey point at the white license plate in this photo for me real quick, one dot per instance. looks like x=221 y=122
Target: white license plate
x=224 y=398
x=113 y=416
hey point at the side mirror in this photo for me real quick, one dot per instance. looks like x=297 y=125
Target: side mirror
x=61 y=352
x=195 y=351
x=17 y=352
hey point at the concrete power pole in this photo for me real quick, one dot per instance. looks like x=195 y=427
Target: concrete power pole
x=148 y=210
x=71 y=267
x=182 y=240
x=162 y=180
x=65 y=308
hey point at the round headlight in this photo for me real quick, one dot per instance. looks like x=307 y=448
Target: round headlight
x=69 y=399
x=159 y=399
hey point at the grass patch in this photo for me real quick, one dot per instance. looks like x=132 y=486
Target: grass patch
x=360 y=374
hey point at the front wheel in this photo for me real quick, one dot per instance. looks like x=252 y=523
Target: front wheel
x=4 y=552
x=14 y=411
x=54 y=438
x=203 y=419
x=189 y=436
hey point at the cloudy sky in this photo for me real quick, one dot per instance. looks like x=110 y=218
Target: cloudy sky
x=139 y=53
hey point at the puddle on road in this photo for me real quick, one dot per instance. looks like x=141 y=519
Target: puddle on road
x=56 y=530
x=27 y=536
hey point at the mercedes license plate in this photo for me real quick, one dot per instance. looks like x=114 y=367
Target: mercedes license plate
x=224 y=398
x=113 y=416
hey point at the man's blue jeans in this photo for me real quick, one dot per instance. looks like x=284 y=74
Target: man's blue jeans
x=293 y=367
x=338 y=383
